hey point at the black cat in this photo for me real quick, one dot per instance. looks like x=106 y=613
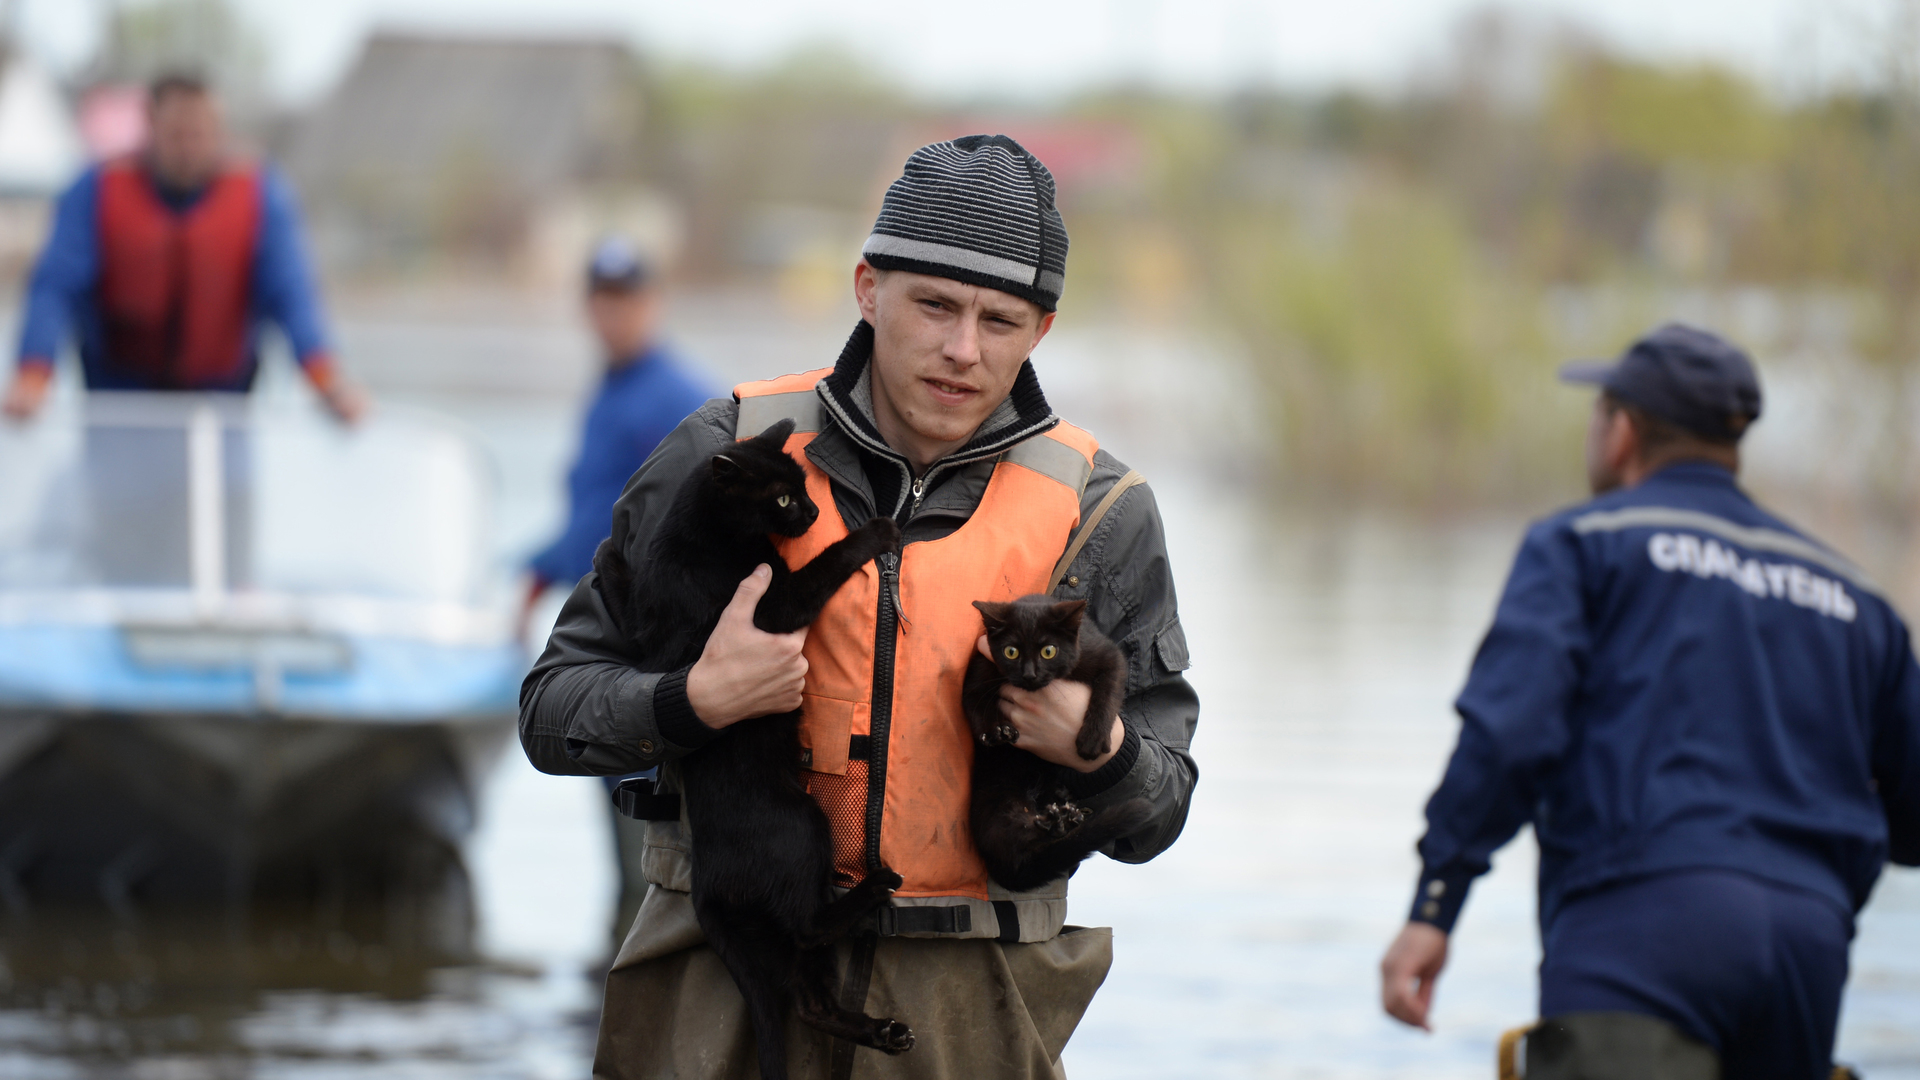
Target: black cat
x=763 y=850
x=1026 y=825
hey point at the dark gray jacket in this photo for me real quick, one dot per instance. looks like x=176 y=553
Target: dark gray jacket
x=584 y=709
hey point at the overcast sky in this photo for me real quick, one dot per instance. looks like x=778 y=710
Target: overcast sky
x=1046 y=46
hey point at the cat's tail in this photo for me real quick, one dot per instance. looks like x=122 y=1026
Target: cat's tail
x=1063 y=856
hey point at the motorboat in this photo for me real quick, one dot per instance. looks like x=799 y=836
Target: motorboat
x=250 y=658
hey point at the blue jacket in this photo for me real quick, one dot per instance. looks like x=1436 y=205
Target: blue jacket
x=1677 y=679
x=61 y=300
x=637 y=405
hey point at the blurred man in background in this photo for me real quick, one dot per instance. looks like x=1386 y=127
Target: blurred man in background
x=1713 y=724
x=644 y=394
x=164 y=264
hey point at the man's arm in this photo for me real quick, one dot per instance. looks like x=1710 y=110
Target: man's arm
x=284 y=288
x=1896 y=750
x=1125 y=577
x=1514 y=727
x=68 y=267
x=584 y=708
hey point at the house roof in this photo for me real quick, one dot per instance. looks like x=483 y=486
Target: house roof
x=535 y=113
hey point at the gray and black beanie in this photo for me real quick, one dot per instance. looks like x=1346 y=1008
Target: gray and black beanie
x=978 y=209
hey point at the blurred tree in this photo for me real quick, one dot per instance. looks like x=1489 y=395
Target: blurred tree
x=207 y=37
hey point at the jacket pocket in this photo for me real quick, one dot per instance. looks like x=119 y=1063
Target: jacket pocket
x=826 y=728
x=1171 y=646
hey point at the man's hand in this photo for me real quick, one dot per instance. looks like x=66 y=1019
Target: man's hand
x=744 y=671
x=28 y=391
x=1049 y=719
x=1408 y=973
x=346 y=401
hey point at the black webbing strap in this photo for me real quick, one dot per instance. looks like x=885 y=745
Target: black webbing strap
x=636 y=798
x=853 y=998
x=1009 y=918
x=957 y=919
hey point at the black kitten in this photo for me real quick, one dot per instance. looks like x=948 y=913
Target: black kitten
x=1026 y=825
x=763 y=850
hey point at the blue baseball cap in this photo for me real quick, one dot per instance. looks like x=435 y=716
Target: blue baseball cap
x=616 y=264
x=1682 y=374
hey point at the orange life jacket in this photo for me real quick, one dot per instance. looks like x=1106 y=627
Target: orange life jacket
x=176 y=288
x=921 y=758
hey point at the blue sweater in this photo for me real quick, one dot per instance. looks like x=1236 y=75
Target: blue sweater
x=60 y=296
x=638 y=404
x=1677 y=679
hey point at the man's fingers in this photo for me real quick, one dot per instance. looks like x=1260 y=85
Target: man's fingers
x=982 y=648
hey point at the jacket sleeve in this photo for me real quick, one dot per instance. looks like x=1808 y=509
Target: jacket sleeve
x=283 y=278
x=1896 y=751
x=1514 y=722
x=584 y=708
x=1125 y=577
x=69 y=266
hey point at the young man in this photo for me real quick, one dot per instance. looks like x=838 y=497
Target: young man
x=644 y=394
x=163 y=265
x=1713 y=724
x=934 y=416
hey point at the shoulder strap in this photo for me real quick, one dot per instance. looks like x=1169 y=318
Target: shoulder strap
x=1132 y=479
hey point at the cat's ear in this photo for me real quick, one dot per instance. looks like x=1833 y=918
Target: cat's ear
x=994 y=615
x=1067 y=615
x=776 y=436
x=725 y=468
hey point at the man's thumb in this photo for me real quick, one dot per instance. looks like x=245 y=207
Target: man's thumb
x=752 y=588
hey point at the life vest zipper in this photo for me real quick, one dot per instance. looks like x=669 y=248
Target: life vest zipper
x=880 y=711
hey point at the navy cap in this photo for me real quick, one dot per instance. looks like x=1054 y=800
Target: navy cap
x=616 y=264
x=1678 y=373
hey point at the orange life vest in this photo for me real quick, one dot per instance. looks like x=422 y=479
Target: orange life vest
x=176 y=288
x=922 y=759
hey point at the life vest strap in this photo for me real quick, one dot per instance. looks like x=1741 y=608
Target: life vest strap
x=1132 y=479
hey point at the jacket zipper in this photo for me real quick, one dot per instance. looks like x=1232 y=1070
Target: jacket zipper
x=919 y=491
x=880 y=711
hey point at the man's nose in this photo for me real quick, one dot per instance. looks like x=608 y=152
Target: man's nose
x=963 y=343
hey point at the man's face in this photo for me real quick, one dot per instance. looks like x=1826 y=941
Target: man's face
x=187 y=139
x=623 y=320
x=1607 y=428
x=945 y=355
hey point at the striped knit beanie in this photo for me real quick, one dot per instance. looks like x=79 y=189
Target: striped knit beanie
x=978 y=209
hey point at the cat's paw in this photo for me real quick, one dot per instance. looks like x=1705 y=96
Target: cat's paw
x=886 y=880
x=892 y=1036
x=1093 y=740
x=1000 y=734
x=879 y=535
x=1059 y=819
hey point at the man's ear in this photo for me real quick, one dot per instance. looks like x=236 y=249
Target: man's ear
x=1623 y=444
x=866 y=283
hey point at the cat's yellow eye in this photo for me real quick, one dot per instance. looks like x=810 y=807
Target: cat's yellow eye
x=1047 y=652
x=783 y=501
x=1010 y=653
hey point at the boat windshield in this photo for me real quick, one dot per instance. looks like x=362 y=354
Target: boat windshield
x=223 y=497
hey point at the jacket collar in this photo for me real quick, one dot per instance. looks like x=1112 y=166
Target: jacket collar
x=847 y=394
x=1696 y=472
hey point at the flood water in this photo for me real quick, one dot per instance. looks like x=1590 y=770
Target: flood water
x=1327 y=646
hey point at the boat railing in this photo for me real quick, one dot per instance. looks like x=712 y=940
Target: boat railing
x=216 y=511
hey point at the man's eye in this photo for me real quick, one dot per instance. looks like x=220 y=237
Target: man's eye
x=783 y=501
x=1010 y=653
x=1048 y=652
